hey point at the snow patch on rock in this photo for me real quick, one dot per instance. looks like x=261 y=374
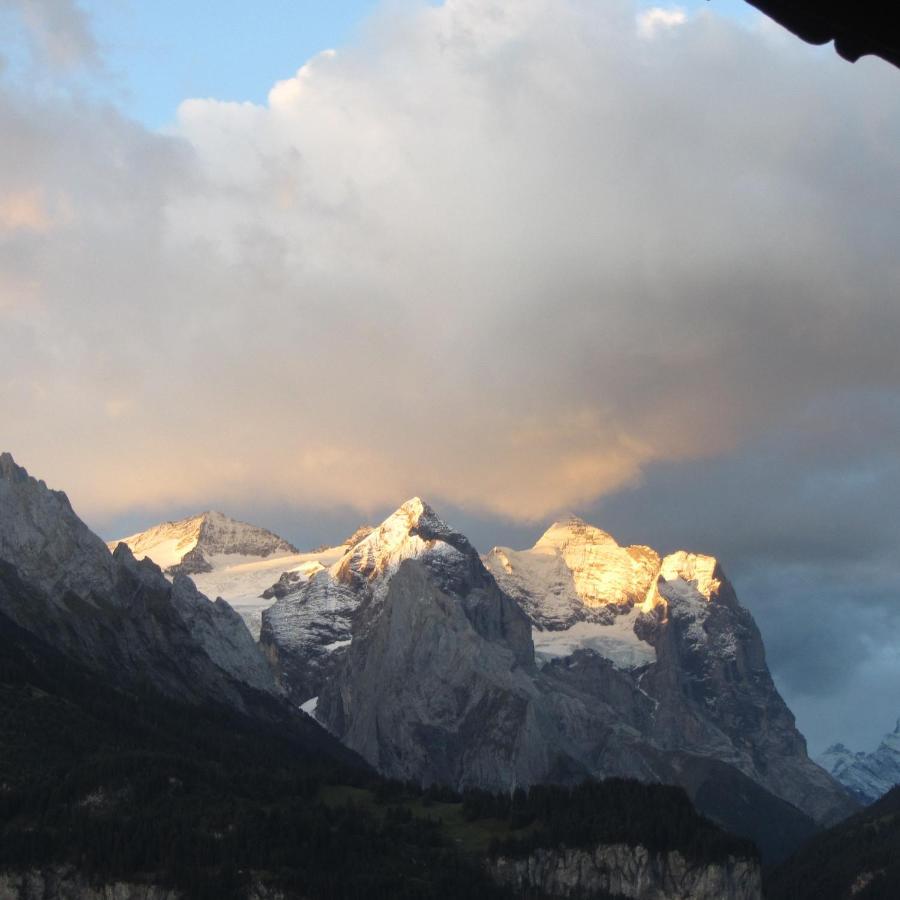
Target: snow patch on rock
x=616 y=642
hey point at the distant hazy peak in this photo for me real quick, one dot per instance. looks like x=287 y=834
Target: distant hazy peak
x=867 y=775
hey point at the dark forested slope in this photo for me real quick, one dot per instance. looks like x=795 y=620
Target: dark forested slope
x=858 y=858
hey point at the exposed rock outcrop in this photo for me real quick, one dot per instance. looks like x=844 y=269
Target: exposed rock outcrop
x=626 y=871
x=437 y=687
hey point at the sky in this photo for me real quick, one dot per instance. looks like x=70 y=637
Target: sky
x=519 y=257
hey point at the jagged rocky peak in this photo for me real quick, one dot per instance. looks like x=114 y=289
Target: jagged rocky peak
x=189 y=545
x=8 y=468
x=307 y=631
x=413 y=531
x=48 y=543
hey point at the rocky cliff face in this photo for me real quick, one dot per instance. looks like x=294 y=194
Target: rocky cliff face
x=52 y=549
x=306 y=633
x=867 y=776
x=676 y=631
x=625 y=871
x=435 y=687
x=111 y=611
x=717 y=698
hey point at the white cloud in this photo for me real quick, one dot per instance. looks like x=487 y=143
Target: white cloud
x=505 y=255
x=659 y=18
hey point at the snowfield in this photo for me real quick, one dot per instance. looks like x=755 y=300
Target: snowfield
x=616 y=642
x=241 y=580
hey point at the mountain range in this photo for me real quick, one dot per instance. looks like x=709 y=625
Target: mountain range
x=413 y=656
x=575 y=658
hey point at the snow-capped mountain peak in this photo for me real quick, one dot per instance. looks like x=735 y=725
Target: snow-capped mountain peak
x=582 y=590
x=571 y=531
x=225 y=558
x=190 y=545
x=167 y=543
x=868 y=776
x=314 y=620
x=575 y=571
x=413 y=531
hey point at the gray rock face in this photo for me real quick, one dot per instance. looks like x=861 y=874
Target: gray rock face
x=111 y=611
x=716 y=698
x=426 y=666
x=468 y=714
x=868 y=776
x=626 y=871
x=48 y=543
x=287 y=582
x=306 y=633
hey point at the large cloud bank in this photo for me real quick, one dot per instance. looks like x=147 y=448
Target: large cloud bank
x=502 y=254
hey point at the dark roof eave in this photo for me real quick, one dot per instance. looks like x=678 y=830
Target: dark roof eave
x=857 y=27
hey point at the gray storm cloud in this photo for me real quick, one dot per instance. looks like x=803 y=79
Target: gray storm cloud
x=504 y=255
